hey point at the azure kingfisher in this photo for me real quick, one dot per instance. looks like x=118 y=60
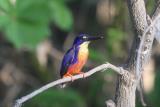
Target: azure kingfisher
x=75 y=58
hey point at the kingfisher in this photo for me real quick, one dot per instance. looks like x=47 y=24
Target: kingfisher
x=76 y=57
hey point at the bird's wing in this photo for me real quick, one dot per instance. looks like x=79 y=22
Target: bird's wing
x=69 y=58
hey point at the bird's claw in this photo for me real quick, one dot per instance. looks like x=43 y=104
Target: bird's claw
x=82 y=74
x=69 y=75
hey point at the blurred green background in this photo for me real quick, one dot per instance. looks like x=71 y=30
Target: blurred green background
x=35 y=34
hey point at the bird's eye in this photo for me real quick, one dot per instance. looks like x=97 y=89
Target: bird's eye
x=84 y=37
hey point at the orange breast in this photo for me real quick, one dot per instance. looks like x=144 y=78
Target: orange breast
x=82 y=59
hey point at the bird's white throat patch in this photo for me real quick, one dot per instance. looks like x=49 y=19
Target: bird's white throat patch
x=84 y=45
x=83 y=52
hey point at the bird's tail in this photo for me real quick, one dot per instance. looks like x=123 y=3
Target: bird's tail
x=63 y=85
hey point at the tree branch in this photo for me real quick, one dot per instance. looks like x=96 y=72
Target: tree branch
x=102 y=67
x=145 y=44
x=153 y=22
x=147 y=41
x=125 y=90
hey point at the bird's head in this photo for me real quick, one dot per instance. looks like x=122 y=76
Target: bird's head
x=85 y=39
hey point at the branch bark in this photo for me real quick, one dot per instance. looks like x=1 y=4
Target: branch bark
x=125 y=91
x=102 y=67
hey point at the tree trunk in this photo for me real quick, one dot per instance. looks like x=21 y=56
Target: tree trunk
x=125 y=95
x=126 y=84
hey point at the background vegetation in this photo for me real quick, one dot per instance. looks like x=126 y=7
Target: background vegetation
x=36 y=33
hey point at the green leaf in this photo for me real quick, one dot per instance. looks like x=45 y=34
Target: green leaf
x=61 y=15
x=26 y=35
x=33 y=11
x=26 y=24
x=5 y=11
x=11 y=33
x=4 y=20
x=5 y=5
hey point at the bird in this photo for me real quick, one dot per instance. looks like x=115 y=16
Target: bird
x=76 y=57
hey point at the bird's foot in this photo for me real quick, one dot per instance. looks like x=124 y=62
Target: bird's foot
x=69 y=75
x=82 y=74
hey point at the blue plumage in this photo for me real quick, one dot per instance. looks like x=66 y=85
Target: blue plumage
x=69 y=59
x=70 y=63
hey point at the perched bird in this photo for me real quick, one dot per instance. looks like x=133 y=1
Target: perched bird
x=75 y=58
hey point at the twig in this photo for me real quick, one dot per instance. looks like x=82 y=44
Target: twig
x=140 y=88
x=103 y=67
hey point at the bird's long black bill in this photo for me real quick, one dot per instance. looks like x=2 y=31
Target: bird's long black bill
x=94 y=38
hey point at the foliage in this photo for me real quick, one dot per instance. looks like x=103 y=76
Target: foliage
x=96 y=55
x=26 y=22
x=61 y=15
x=114 y=41
x=57 y=98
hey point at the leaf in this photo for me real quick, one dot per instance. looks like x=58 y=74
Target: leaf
x=26 y=35
x=35 y=11
x=61 y=15
x=4 y=20
x=11 y=33
x=5 y=10
x=26 y=24
x=5 y=5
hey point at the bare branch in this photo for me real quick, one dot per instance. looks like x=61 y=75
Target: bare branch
x=138 y=15
x=146 y=42
x=140 y=88
x=141 y=51
x=125 y=90
x=102 y=67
